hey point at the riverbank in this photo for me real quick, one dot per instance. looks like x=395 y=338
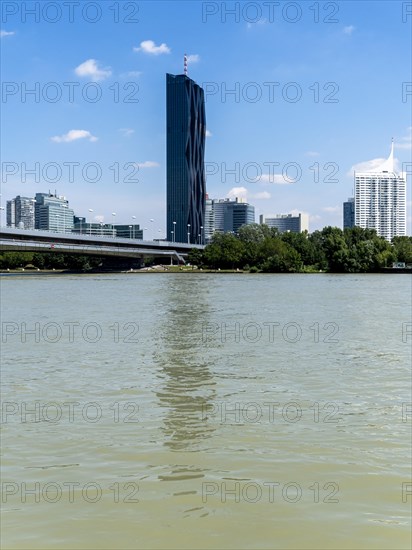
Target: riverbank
x=175 y=269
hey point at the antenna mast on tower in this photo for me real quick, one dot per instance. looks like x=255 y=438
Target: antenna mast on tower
x=185 y=65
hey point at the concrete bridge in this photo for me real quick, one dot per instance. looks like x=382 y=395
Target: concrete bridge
x=90 y=245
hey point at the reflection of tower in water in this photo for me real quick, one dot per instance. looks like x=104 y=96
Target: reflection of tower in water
x=187 y=388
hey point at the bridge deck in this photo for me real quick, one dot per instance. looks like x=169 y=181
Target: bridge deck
x=48 y=241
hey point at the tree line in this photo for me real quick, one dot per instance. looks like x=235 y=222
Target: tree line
x=48 y=260
x=259 y=248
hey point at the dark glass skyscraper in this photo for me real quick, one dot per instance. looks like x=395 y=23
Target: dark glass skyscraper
x=186 y=185
x=349 y=213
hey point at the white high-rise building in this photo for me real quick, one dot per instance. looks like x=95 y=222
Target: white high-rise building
x=380 y=200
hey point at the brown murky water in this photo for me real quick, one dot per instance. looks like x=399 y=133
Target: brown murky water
x=206 y=411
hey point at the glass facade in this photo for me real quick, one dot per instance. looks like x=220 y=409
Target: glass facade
x=349 y=213
x=186 y=185
x=227 y=216
x=52 y=213
x=287 y=222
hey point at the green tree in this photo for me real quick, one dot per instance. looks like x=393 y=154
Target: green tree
x=225 y=251
x=14 y=260
x=195 y=257
x=402 y=249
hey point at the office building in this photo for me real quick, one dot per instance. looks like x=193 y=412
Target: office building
x=208 y=222
x=129 y=231
x=81 y=226
x=20 y=212
x=287 y=222
x=349 y=213
x=186 y=131
x=52 y=213
x=227 y=216
x=380 y=200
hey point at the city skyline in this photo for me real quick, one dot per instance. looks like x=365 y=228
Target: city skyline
x=259 y=138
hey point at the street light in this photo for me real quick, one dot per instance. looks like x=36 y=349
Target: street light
x=188 y=233
x=152 y=220
x=33 y=212
x=65 y=206
x=134 y=224
x=130 y=231
x=1 y=215
x=201 y=234
x=174 y=231
x=113 y=214
x=173 y=236
x=90 y=223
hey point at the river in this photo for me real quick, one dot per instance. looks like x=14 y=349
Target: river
x=206 y=411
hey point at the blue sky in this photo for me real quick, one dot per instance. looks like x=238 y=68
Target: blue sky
x=317 y=88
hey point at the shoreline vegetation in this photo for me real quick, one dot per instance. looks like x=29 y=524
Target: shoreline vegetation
x=256 y=249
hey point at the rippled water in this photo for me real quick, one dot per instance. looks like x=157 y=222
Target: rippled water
x=206 y=411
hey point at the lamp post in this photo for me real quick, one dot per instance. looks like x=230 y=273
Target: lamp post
x=152 y=221
x=113 y=214
x=201 y=234
x=188 y=233
x=173 y=236
x=1 y=215
x=130 y=231
x=65 y=207
x=33 y=213
x=134 y=225
x=174 y=231
x=90 y=223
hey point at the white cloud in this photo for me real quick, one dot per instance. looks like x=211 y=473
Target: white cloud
x=6 y=33
x=261 y=21
x=262 y=195
x=208 y=134
x=126 y=132
x=131 y=74
x=370 y=165
x=405 y=142
x=311 y=154
x=240 y=192
x=147 y=164
x=148 y=46
x=349 y=29
x=278 y=179
x=90 y=69
x=193 y=58
x=73 y=135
